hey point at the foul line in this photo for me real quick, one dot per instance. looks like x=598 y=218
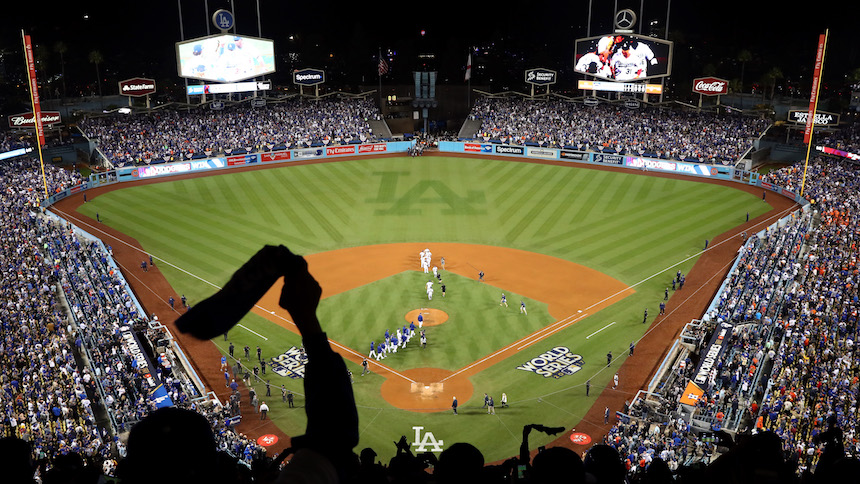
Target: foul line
x=599 y=330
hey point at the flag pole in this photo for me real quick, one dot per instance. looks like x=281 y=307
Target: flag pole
x=379 y=71
x=813 y=103
x=469 y=81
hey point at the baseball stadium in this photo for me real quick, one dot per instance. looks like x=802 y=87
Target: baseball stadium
x=283 y=286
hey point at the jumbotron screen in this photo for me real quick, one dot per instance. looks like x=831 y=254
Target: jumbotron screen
x=619 y=57
x=225 y=58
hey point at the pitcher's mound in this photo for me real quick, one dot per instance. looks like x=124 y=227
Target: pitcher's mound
x=426 y=390
x=432 y=317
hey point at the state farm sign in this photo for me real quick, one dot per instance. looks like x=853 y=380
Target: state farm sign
x=710 y=86
x=136 y=87
x=27 y=120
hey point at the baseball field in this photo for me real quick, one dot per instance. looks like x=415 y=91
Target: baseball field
x=586 y=251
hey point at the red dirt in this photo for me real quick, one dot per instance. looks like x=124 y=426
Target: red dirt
x=432 y=317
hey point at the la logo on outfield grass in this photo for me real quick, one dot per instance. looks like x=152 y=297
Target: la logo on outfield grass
x=428 y=440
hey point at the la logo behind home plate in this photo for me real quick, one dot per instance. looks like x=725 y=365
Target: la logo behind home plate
x=428 y=440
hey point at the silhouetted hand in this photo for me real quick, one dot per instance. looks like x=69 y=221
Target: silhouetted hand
x=224 y=309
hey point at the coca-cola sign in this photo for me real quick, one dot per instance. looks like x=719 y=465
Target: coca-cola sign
x=136 y=87
x=27 y=120
x=710 y=86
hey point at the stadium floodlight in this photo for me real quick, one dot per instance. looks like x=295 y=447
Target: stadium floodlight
x=225 y=58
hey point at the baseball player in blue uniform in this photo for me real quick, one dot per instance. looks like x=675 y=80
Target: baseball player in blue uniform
x=504 y=301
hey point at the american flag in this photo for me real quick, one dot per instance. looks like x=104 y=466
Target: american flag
x=383 y=67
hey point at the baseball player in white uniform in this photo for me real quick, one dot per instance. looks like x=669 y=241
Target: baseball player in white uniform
x=631 y=62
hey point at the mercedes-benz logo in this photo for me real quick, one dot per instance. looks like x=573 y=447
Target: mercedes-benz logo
x=625 y=19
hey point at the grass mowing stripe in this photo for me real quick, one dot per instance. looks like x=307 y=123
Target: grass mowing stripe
x=532 y=206
x=184 y=250
x=594 y=184
x=655 y=247
x=500 y=173
x=621 y=231
x=305 y=205
x=217 y=224
x=279 y=179
x=618 y=191
x=626 y=238
x=198 y=225
x=324 y=188
x=285 y=219
x=247 y=186
x=643 y=191
x=229 y=194
x=332 y=186
x=350 y=181
x=624 y=217
x=569 y=180
x=505 y=188
x=350 y=174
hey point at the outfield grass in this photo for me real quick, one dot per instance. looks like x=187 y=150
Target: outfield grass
x=628 y=226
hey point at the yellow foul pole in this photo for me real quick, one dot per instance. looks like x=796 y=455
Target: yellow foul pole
x=813 y=102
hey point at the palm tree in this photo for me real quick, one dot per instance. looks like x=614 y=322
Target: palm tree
x=771 y=77
x=61 y=48
x=96 y=58
x=744 y=56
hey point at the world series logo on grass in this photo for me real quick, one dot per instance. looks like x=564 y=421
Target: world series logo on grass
x=290 y=363
x=555 y=363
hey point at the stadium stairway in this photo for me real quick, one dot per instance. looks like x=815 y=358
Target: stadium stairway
x=380 y=128
x=470 y=128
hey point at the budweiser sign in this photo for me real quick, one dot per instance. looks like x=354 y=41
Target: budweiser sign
x=27 y=120
x=710 y=86
x=136 y=87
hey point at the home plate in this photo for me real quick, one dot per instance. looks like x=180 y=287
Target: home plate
x=426 y=389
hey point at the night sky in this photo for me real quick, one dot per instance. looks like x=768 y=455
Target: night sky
x=136 y=39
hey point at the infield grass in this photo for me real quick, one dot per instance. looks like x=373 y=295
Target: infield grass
x=628 y=226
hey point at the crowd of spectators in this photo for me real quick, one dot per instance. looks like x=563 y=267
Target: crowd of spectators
x=10 y=141
x=173 y=135
x=643 y=131
x=47 y=396
x=791 y=367
x=69 y=384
